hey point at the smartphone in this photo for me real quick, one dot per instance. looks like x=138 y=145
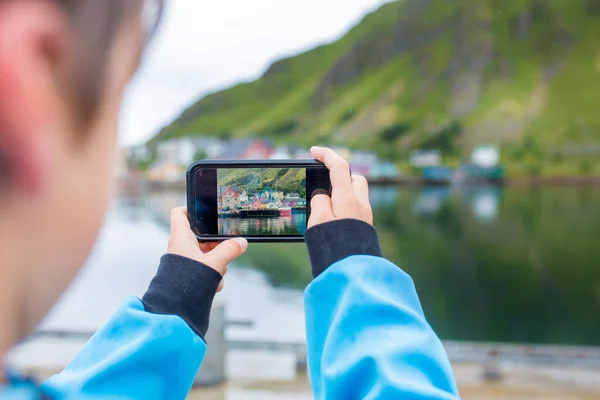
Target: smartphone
x=262 y=201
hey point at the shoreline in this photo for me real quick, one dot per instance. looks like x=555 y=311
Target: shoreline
x=522 y=182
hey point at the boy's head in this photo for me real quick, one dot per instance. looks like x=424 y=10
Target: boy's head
x=64 y=65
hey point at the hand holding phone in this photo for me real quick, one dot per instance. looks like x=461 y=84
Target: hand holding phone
x=217 y=256
x=349 y=194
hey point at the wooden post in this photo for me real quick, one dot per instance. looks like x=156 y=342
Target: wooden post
x=491 y=368
x=212 y=372
x=301 y=360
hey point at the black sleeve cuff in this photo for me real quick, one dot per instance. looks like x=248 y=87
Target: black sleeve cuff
x=185 y=288
x=333 y=241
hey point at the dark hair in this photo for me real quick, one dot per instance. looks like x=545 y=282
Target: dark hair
x=95 y=24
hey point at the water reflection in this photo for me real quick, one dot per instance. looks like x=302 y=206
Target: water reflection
x=429 y=200
x=384 y=196
x=294 y=224
x=486 y=203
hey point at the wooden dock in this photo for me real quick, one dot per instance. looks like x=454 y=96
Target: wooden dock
x=261 y=213
x=458 y=351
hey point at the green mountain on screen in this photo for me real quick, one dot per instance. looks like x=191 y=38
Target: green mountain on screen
x=287 y=180
x=429 y=74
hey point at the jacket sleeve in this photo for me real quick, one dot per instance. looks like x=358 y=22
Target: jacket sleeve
x=151 y=348
x=367 y=336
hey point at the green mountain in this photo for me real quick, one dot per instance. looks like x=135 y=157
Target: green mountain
x=430 y=74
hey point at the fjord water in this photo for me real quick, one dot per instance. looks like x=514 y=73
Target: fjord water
x=489 y=263
x=495 y=264
x=492 y=264
x=291 y=225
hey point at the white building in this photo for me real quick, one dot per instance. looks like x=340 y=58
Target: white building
x=178 y=151
x=486 y=156
x=364 y=158
x=212 y=147
x=290 y=153
x=425 y=158
x=183 y=150
x=282 y=153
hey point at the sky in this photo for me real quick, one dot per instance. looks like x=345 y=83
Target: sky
x=204 y=46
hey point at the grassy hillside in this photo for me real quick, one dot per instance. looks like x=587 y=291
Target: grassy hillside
x=431 y=74
x=288 y=180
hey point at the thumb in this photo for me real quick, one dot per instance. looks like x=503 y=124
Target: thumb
x=180 y=225
x=226 y=252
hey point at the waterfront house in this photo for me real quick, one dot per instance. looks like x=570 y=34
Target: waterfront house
x=263 y=196
x=277 y=195
x=247 y=149
x=183 y=151
x=385 y=169
x=486 y=156
x=230 y=197
x=264 y=204
x=177 y=151
x=363 y=163
x=478 y=173
x=276 y=204
x=484 y=167
x=293 y=200
x=289 y=153
x=425 y=158
x=272 y=194
x=244 y=197
x=441 y=175
x=210 y=147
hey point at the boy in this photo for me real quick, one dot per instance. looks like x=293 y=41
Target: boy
x=63 y=67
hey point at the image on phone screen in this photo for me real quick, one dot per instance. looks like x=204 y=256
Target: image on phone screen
x=261 y=201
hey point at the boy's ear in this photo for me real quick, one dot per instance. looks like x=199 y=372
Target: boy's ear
x=33 y=50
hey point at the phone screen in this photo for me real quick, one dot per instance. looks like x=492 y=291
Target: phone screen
x=256 y=202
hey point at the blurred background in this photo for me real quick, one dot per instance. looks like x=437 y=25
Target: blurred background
x=478 y=126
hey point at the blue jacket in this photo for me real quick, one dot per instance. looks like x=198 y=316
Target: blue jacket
x=367 y=337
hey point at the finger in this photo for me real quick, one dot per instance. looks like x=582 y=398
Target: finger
x=208 y=246
x=320 y=210
x=339 y=170
x=321 y=204
x=180 y=223
x=221 y=285
x=361 y=190
x=226 y=252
